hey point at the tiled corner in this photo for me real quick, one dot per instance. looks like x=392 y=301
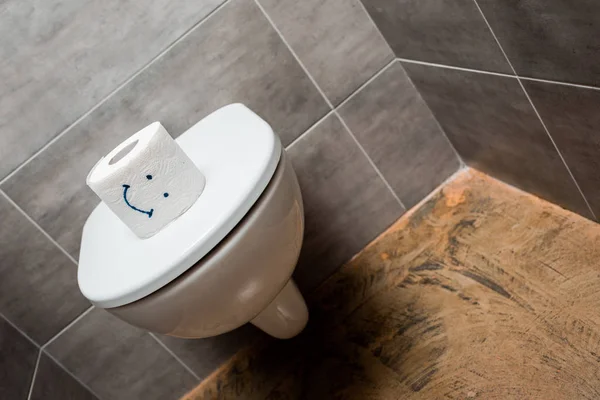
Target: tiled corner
x=494 y=128
x=54 y=383
x=346 y=204
x=571 y=115
x=549 y=39
x=204 y=356
x=118 y=361
x=38 y=288
x=234 y=56
x=451 y=32
x=17 y=362
x=60 y=58
x=400 y=134
x=334 y=39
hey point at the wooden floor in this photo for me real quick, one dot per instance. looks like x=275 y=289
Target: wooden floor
x=483 y=292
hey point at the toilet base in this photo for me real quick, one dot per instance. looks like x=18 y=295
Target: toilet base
x=285 y=316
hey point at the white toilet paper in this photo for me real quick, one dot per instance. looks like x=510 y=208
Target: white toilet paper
x=147 y=181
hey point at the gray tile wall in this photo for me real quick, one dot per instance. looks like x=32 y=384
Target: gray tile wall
x=514 y=85
x=78 y=77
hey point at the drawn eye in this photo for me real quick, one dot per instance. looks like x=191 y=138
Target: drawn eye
x=148 y=177
x=166 y=194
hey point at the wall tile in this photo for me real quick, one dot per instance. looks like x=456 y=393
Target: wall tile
x=550 y=39
x=234 y=56
x=204 y=356
x=17 y=362
x=37 y=279
x=494 y=128
x=571 y=115
x=62 y=57
x=450 y=32
x=54 y=383
x=400 y=135
x=118 y=361
x=334 y=39
x=346 y=204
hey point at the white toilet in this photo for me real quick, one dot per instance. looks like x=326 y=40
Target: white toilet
x=228 y=260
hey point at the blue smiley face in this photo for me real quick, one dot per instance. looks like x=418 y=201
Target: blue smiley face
x=148 y=213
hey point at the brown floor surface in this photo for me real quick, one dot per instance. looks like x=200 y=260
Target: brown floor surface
x=482 y=292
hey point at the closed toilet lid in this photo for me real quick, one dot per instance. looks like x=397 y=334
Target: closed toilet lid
x=238 y=153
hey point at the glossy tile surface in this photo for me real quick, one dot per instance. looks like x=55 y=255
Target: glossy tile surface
x=571 y=115
x=480 y=293
x=118 y=361
x=400 y=135
x=334 y=39
x=204 y=356
x=60 y=58
x=17 y=362
x=549 y=39
x=346 y=204
x=493 y=127
x=37 y=279
x=450 y=32
x=54 y=383
x=234 y=56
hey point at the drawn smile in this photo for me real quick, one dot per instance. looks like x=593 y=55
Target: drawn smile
x=148 y=213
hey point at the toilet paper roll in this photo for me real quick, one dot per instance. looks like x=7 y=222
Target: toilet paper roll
x=147 y=181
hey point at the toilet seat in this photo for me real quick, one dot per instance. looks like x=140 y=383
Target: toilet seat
x=238 y=153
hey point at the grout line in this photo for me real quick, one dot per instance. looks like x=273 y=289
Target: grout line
x=440 y=187
x=536 y=111
x=184 y=365
x=376 y=27
x=371 y=79
x=323 y=118
x=274 y=26
x=54 y=242
x=69 y=325
x=526 y=78
x=71 y=374
x=113 y=92
x=477 y=71
x=496 y=39
x=35 y=370
x=385 y=182
x=460 y=160
x=333 y=109
x=558 y=151
x=19 y=330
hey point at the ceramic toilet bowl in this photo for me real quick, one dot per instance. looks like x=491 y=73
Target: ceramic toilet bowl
x=228 y=260
x=246 y=278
